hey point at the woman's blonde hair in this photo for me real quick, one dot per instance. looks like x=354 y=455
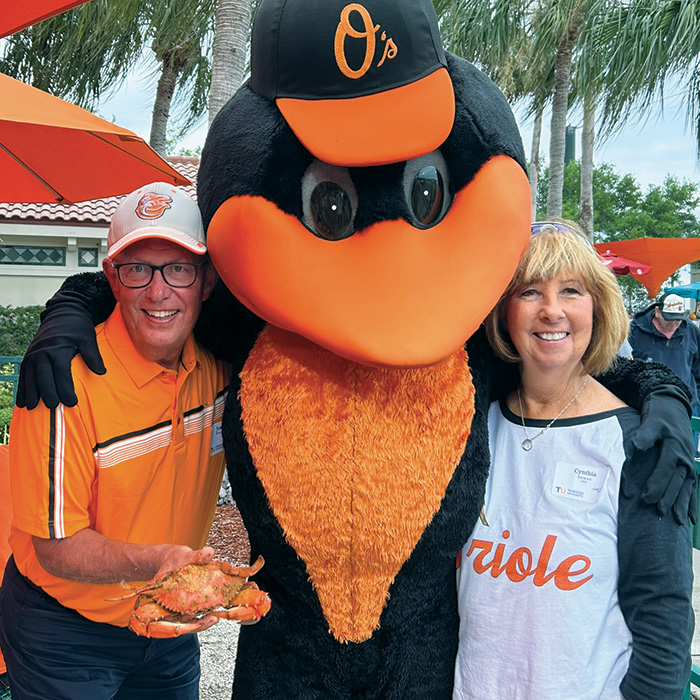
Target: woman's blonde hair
x=563 y=248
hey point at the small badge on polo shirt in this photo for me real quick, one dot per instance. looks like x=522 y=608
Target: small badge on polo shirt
x=217 y=439
x=580 y=483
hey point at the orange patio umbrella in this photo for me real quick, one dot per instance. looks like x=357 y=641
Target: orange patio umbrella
x=53 y=151
x=16 y=15
x=663 y=255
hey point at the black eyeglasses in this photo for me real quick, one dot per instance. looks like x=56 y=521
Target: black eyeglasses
x=137 y=275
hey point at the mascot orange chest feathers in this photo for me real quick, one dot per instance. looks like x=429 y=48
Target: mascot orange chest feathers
x=364 y=195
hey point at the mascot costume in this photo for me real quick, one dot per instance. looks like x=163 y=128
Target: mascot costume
x=366 y=202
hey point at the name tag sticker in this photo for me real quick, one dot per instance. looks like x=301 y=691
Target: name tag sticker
x=581 y=483
x=217 y=439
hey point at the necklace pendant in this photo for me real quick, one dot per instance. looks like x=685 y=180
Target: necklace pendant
x=527 y=444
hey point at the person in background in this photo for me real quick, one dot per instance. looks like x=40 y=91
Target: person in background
x=122 y=486
x=625 y=349
x=663 y=333
x=571 y=585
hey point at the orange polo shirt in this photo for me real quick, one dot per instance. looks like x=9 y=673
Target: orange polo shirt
x=139 y=459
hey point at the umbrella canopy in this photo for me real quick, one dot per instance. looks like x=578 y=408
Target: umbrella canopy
x=16 y=15
x=689 y=291
x=53 y=151
x=623 y=266
x=664 y=255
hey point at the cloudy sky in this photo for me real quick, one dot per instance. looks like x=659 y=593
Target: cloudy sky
x=649 y=149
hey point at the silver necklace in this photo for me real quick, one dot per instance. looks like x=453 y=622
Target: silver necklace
x=527 y=442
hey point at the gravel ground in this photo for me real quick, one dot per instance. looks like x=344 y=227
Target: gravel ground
x=218 y=644
x=218 y=648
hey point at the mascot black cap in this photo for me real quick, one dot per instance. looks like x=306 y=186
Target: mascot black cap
x=368 y=85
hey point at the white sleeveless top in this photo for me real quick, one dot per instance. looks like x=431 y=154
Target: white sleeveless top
x=537 y=586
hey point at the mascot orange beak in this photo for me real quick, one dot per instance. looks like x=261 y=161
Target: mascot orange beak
x=391 y=294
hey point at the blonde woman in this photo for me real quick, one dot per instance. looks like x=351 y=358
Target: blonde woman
x=571 y=586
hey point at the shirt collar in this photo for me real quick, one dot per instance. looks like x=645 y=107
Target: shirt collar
x=136 y=365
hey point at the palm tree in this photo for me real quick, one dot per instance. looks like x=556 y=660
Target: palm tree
x=83 y=54
x=496 y=36
x=78 y=55
x=231 y=35
x=652 y=42
x=558 y=26
x=559 y=53
x=181 y=32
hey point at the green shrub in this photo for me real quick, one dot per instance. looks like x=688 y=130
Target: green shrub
x=17 y=328
x=5 y=415
x=18 y=324
x=6 y=405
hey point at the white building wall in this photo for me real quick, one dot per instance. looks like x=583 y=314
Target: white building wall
x=25 y=284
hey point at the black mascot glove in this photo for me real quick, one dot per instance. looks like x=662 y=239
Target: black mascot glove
x=672 y=484
x=67 y=327
x=663 y=401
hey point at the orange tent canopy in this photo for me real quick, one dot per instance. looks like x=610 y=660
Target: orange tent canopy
x=16 y=15
x=665 y=255
x=53 y=151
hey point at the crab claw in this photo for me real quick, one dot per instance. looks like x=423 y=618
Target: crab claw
x=164 y=629
x=243 y=571
x=251 y=605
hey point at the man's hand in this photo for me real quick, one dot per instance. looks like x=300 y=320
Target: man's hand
x=176 y=556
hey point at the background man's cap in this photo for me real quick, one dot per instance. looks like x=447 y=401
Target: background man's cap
x=672 y=307
x=359 y=83
x=158 y=210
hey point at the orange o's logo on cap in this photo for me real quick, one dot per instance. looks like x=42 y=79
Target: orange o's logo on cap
x=153 y=206
x=366 y=33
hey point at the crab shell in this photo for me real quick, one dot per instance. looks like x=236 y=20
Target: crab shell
x=172 y=604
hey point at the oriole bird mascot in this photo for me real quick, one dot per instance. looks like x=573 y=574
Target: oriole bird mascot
x=365 y=194
x=366 y=202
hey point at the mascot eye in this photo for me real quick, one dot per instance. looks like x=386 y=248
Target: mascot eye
x=329 y=201
x=426 y=195
x=426 y=189
x=331 y=211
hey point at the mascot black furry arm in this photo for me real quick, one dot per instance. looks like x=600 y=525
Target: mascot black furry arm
x=365 y=196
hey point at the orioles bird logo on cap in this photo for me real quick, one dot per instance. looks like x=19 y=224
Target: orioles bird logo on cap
x=153 y=206
x=368 y=33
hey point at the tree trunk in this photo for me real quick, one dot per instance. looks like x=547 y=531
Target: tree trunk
x=557 y=131
x=560 y=106
x=229 y=52
x=161 y=106
x=535 y=160
x=587 y=144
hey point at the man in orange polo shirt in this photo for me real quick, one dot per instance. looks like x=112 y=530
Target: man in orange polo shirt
x=122 y=486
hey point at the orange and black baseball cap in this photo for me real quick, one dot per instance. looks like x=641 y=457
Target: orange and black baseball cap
x=359 y=83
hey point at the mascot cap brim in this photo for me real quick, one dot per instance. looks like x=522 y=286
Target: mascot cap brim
x=359 y=83
x=385 y=127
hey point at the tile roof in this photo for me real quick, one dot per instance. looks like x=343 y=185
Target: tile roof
x=95 y=211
